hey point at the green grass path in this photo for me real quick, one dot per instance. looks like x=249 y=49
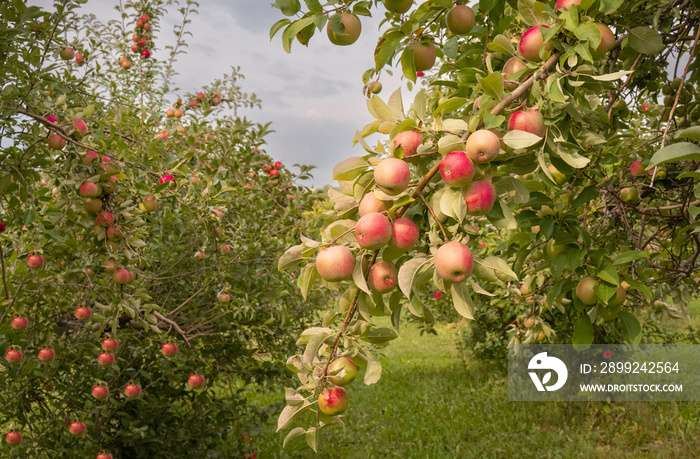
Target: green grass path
x=431 y=403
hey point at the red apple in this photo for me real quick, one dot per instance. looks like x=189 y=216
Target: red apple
x=104 y=219
x=46 y=355
x=77 y=428
x=110 y=344
x=392 y=176
x=150 y=204
x=224 y=298
x=531 y=43
x=483 y=146
x=382 y=277
x=67 y=53
x=224 y=249
x=79 y=59
x=13 y=356
x=121 y=276
x=145 y=18
x=200 y=96
x=170 y=113
x=145 y=54
x=566 y=4
x=178 y=113
x=607 y=41
x=370 y=203
x=454 y=261
x=90 y=190
x=100 y=392
x=20 y=323
x=196 y=381
x=530 y=121
x=13 y=438
x=333 y=400
x=80 y=127
x=104 y=455
x=56 y=142
x=126 y=64
x=511 y=67
x=404 y=235
x=457 y=169
x=480 y=198
x=335 y=263
x=105 y=359
x=373 y=231
x=637 y=169
x=132 y=390
x=409 y=141
x=89 y=157
x=83 y=313
x=193 y=103
x=200 y=255
x=342 y=371
x=169 y=349
x=35 y=261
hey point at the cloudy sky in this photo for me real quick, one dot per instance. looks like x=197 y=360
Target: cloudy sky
x=313 y=96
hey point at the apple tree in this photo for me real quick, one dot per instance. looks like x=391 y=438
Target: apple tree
x=562 y=133
x=138 y=240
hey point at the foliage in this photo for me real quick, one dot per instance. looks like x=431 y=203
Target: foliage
x=216 y=194
x=598 y=182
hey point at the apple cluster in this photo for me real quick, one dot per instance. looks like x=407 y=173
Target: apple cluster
x=142 y=38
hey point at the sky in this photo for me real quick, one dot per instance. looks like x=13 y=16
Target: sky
x=313 y=96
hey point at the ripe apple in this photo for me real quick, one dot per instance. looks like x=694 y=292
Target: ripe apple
x=566 y=3
x=35 y=261
x=145 y=54
x=200 y=255
x=630 y=195
x=195 y=180
x=121 y=276
x=559 y=177
x=13 y=356
x=397 y=6
x=480 y=198
x=585 y=291
x=104 y=219
x=134 y=48
x=92 y=205
x=20 y=323
x=607 y=41
x=145 y=18
x=404 y=234
x=193 y=103
x=409 y=141
x=46 y=355
x=80 y=127
x=126 y=64
x=370 y=203
x=352 y=25
x=274 y=173
x=333 y=400
x=90 y=190
x=457 y=169
x=150 y=204
x=373 y=231
x=216 y=100
x=424 y=55
x=13 y=438
x=100 y=392
x=56 y=142
x=178 y=113
x=392 y=176
x=89 y=157
x=637 y=169
x=225 y=249
x=132 y=390
x=169 y=349
x=114 y=233
x=511 y=67
x=335 y=263
x=196 y=381
x=77 y=428
x=382 y=277
x=531 y=42
x=170 y=113
x=454 y=261
x=483 y=146
x=83 y=313
x=343 y=371
x=105 y=359
x=67 y=53
x=110 y=344
x=460 y=20
x=104 y=455
x=200 y=96
x=528 y=121
x=529 y=322
x=224 y=298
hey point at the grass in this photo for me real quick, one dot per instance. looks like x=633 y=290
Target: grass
x=432 y=402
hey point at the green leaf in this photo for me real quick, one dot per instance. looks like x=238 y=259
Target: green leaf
x=294 y=28
x=573 y=159
x=492 y=85
x=350 y=168
x=583 y=333
x=307 y=277
x=630 y=255
x=295 y=432
x=507 y=184
x=381 y=335
x=449 y=106
x=289 y=413
x=677 y=152
x=641 y=287
x=450 y=143
x=290 y=258
x=373 y=372
x=631 y=329
x=408 y=66
x=407 y=274
x=288 y=7
x=610 y=76
x=587 y=194
x=520 y=139
x=492 y=121
x=646 y=40
x=462 y=300
x=500 y=267
x=501 y=44
x=532 y=12
x=359 y=277
x=314 y=6
x=277 y=26
x=588 y=31
x=691 y=133
x=608 y=274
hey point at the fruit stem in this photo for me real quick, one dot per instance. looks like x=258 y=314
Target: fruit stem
x=430 y=209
